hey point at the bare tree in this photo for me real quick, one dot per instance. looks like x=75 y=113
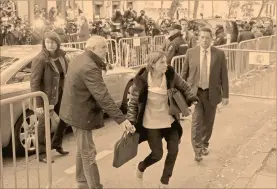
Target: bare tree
x=173 y=8
x=233 y=5
x=247 y=9
x=264 y=3
x=195 y=8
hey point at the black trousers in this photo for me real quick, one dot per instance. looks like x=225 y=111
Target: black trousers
x=155 y=137
x=202 y=121
x=59 y=133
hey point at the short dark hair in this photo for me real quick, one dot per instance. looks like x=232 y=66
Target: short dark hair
x=205 y=29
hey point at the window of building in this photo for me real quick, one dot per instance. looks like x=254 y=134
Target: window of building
x=97 y=9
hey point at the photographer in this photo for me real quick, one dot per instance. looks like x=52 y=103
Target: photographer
x=130 y=14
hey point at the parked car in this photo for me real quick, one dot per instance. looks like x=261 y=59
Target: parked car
x=15 y=72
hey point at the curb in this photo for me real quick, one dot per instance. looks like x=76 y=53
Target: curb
x=257 y=163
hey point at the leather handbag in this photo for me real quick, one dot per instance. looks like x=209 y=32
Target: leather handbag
x=178 y=103
x=125 y=149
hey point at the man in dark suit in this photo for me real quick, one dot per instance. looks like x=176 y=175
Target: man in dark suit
x=205 y=71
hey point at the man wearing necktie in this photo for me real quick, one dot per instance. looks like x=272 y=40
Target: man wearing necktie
x=205 y=70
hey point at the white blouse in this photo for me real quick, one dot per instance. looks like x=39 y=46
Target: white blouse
x=156 y=111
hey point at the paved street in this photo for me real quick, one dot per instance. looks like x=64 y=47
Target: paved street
x=240 y=131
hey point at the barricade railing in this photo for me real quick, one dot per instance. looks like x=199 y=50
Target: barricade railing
x=112 y=56
x=264 y=43
x=133 y=51
x=234 y=45
x=28 y=103
x=273 y=42
x=77 y=45
x=73 y=37
x=177 y=63
x=248 y=44
x=254 y=73
x=251 y=72
x=158 y=42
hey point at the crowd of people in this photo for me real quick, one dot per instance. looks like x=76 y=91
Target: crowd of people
x=80 y=98
x=14 y=30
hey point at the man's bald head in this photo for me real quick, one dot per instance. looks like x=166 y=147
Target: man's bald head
x=97 y=45
x=95 y=41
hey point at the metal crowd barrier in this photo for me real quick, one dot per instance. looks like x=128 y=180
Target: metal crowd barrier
x=158 y=42
x=177 y=63
x=28 y=102
x=234 y=45
x=248 y=44
x=112 y=56
x=264 y=43
x=251 y=72
x=133 y=51
x=273 y=42
x=261 y=43
x=254 y=73
x=72 y=37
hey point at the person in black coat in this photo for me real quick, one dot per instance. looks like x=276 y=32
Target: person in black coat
x=149 y=111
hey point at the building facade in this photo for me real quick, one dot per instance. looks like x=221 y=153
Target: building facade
x=94 y=9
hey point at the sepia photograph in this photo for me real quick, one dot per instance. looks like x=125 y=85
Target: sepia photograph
x=100 y=94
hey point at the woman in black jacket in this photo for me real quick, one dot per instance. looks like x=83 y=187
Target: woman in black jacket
x=149 y=111
x=49 y=68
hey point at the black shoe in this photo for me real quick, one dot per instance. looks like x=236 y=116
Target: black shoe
x=198 y=157
x=61 y=151
x=205 y=151
x=44 y=159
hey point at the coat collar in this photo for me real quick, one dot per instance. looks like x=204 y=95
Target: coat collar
x=98 y=61
x=178 y=34
x=141 y=78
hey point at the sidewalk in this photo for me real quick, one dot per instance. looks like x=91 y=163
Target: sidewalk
x=261 y=172
x=266 y=176
x=242 y=130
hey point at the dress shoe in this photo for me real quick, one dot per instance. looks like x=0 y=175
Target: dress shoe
x=44 y=159
x=61 y=151
x=205 y=151
x=198 y=157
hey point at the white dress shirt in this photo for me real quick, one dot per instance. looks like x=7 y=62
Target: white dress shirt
x=208 y=53
x=156 y=114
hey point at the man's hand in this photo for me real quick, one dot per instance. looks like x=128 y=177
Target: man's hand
x=39 y=111
x=128 y=126
x=225 y=101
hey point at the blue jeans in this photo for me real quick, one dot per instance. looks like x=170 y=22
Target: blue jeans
x=87 y=174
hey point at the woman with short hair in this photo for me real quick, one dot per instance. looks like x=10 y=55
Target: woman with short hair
x=149 y=111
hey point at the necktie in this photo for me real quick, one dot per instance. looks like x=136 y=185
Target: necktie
x=204 y=72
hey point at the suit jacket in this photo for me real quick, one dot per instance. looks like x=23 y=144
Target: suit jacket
x=218 y=82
